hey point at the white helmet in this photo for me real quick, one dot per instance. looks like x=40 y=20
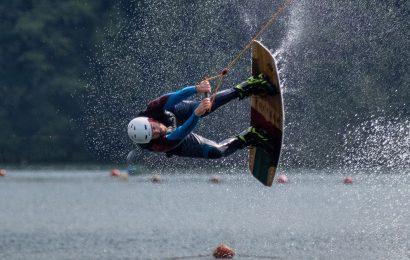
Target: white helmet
x=139 y=130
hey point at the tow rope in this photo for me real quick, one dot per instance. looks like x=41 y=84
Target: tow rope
x=220 y=76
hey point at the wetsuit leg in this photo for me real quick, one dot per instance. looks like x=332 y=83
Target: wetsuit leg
x=223 y=97
x=184 y=109
x=196 y=146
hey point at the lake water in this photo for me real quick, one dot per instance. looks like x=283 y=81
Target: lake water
x=85 y=214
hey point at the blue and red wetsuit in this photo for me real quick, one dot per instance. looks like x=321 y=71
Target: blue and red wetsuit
x=177 y=113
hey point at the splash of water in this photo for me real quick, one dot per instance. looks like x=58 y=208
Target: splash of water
x=143 y=56
x=289 y=44
x=378 y=144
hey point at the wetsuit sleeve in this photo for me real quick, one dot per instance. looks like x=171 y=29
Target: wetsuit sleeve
x=176 y=97
x=182 y=131
x=169 y=100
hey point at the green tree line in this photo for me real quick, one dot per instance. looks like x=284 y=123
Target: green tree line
x=45 y=48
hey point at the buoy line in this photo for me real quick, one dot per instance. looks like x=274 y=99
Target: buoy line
x=222 y=251
x=186 y=257
x=259 y=256
x=210 y=255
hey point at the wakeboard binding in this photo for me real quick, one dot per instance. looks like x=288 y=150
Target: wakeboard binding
x=256 y=137
x=255 y=86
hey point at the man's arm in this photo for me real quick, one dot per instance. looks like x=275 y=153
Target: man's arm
x=177 y=96
x=182 y=131
x=169 y=100
x=189 y=125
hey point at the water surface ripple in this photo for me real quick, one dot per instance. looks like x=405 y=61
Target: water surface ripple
x=84 y=214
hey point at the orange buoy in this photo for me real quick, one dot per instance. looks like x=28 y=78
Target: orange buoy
x=348 y=180
x=215 y=179
x=3 y=172
x=282 y=178
x=115 y=172
x=156 y=178
x=223 y=251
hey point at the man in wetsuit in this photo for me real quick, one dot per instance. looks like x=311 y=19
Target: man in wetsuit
x=167 y=123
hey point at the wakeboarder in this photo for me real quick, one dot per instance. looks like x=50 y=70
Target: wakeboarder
x=167 y=123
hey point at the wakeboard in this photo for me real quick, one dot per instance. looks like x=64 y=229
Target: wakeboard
x=266 y=114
